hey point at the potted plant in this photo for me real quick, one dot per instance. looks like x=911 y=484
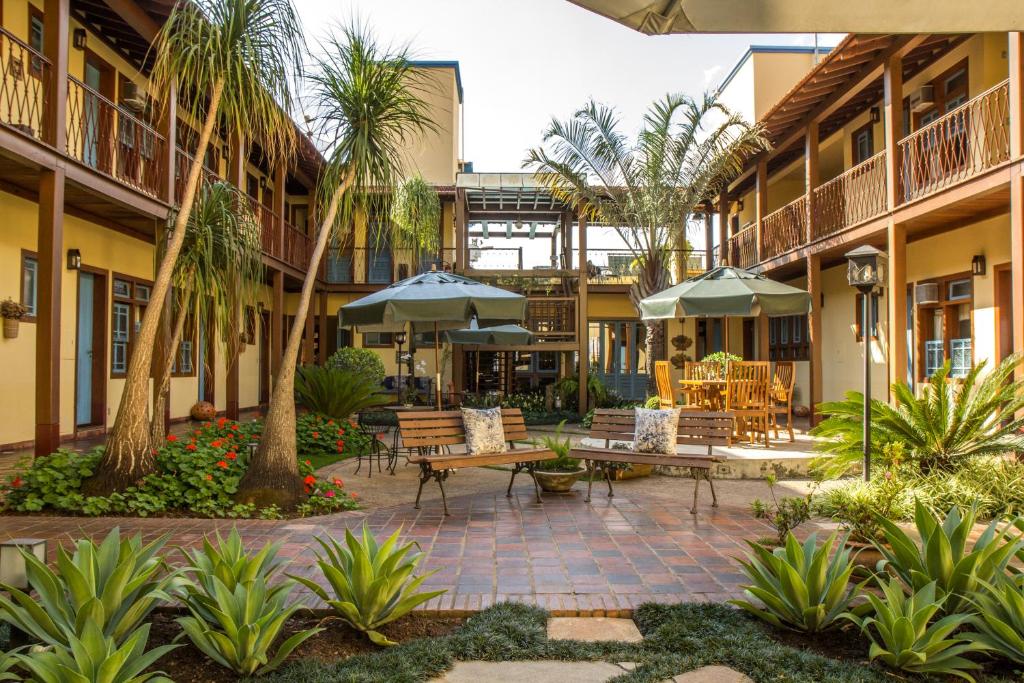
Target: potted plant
x=12 y=313
x=560 y=473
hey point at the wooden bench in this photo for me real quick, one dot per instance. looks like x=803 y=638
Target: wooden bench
x=696 y=428
x=432 y=433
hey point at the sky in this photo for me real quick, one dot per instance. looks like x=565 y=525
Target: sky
x=524 y=61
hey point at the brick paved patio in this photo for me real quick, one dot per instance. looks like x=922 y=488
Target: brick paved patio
x=565 y=555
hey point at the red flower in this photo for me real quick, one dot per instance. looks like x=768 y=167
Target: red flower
x=216 y=444
x=329 y=494
x=308 y=462
x=309 y=480
x=231 y=455
x=206 y=424
x=341 y=432
x=221 y=422
x=341 y=443
x=16 y=482
x=233 y=428
x=222 y=464
x=340 y=449
x=353 y=495
x=190 y=447
x=338 y=482
x=209 y=477
x=172 y=438
x=330 y=422
x=198 y=432
x=230 y=435
x=316 y=435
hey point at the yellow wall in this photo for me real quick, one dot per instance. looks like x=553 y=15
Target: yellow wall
x=775 y=73
x=436 y=153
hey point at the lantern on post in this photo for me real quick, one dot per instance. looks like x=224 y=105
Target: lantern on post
x=12 y=562
x=866 y=271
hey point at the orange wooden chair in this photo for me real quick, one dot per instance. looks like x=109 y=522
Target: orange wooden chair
x=747 y=397
x=783 y=380
x=663 y=380
x=696 y=396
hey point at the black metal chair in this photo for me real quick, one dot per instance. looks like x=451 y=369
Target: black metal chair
x=376 y=424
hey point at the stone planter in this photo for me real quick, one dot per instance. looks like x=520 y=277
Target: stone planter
x=11 y=328
x=633 y=472
x=203 y=411
x=558 y=482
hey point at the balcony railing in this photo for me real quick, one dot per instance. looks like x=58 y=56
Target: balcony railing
x=850 y=198
x=269 y=229
x=496 y=258
x=620 y=266
x=965 y=142
x=25 y=77
x=784 y=229
x=182 y=165
x=298 y=247
x=111 y=140
x=552 y=318
x=743 y=247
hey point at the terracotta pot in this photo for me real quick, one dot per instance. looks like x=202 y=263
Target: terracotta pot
x=11 y=328
x=801 y=411
x=203 y=411
x=633 y=472
x=558 y=482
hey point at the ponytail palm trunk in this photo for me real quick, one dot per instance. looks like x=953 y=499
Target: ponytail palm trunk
x=234 y=62
x=370 y=106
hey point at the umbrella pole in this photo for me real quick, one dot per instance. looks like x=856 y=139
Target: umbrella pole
x=476 y=380
x=437 y=366
x=725 y=333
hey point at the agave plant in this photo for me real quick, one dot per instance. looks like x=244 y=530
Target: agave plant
x=114 y=585
x=1000 y=618
x=7 y=662
x=800 y=587
x=235 y=614
x=92 y=656
x=335 y=393
x=942 y=556
x=903 y=636
x=372 y=584
x=980 y=414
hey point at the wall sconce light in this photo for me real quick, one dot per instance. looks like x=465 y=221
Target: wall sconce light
x=12 y=562
x=74 y=259
x=263 y=183
x=876 y=114
x=978 y=265
x=78 y=38
x=739 y=204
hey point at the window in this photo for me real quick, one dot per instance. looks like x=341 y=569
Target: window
x=130 y=299
x=250 y=326
x=863 y=144
x=29 y=283
x=945 y=328
x=378 y=339
x=787 y=338
x=958 y=290
x=35 y=40
x=858 y=310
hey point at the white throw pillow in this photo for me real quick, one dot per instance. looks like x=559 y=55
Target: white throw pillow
x=656 y=431
x=484 y=431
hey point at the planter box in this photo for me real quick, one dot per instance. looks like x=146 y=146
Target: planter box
x=558 y=482
x=11 y=328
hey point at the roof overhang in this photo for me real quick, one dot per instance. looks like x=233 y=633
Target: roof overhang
x=508 y=195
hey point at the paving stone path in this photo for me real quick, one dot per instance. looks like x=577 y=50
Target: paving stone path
x=572 y=672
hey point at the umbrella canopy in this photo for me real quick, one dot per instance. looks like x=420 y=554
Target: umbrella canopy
x=500 y=334
x=655 y=17
x=723 y=292
x=431 y=301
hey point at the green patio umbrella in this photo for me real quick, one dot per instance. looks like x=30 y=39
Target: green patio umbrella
x=726 y=292
x=506 y=335
x=432 y=301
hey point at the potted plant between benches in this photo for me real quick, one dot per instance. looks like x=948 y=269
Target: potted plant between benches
x=559 y=474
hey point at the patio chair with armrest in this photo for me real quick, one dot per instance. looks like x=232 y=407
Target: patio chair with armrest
x=376 y=424
x=663 y=380
x=697 y=396
x=781 y=398
x=747 y=396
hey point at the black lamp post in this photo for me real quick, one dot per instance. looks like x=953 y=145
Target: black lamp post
x=866 y=270
x=400 y=340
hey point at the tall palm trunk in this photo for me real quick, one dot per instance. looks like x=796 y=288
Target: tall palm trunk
x=128 y=455
x=272 y=477
x=162 y=388
x=652 y=278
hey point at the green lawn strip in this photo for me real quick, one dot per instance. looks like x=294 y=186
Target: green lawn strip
x=678 y=638
x=320 y=460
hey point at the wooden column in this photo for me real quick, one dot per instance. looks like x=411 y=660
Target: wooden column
x=276 y=322
x=814 y=334
x=56 y=29
x=236 y=176
x=762 y=338
x=1016 y=58
x=761 y=206
x=709 y=239
x=892 y=79
x=323 y=355
x=307 y=340
x=582 y=328
x=280 y=180
x=461 y=229
x=897 y=300
x=169 y=129
x=723 y=228
x=811 y=176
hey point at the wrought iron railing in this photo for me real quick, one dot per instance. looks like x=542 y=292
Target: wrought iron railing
x=784 y=229
x=182 y=165
x=965 y=142
x=850 y=198
x=106 y=137
x=742 y=249
x=25 y=77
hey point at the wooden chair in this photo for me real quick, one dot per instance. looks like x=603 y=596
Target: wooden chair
x=663 y=379
x=781 y=396
x=697 y=396
x=746 y=396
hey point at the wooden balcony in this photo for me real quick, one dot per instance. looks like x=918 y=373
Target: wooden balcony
x=25 y=77
x=551 y=318
x=742 y=250
x=182 y=165
x=855 y=196
x=784 y=229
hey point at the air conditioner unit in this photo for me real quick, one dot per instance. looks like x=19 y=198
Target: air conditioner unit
x=927 y=293
x=133 y=97
x=923 y=98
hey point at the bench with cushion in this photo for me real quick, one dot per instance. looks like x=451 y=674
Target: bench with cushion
x=431 y=433
x=696 y=428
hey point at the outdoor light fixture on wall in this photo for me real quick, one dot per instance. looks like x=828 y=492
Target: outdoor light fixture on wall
x=978 y=265
x=876 y=114
x=78 y=38
x=74 y=259
x=866 y=271
x=12 y=562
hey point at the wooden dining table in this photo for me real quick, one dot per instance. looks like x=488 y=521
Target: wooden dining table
x=714 y=390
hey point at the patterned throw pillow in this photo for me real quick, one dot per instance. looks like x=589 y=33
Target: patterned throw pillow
x=656 y=431
x=484 y=431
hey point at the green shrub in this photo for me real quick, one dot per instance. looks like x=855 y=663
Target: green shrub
x=946 y=423
x=1000 y=618
x=903 y=636
x=723 y=359
x=653 y=403
x=942 y=556
x=363 y=362
x=336 y=393
x=319 y=435
x=560 y=446
x=784 y=514
x=235 y=614
x=802 y=587
x=857 y=505
x=93 y=656
x=114 y=585
x=372 y=584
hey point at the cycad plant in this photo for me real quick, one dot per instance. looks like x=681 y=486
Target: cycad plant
x=234 y=62
x=372 y=584
x=218 y=274
x=647 y=189
x=114 y=585
x=370 y=103
x=948 y=420
x=336 y=393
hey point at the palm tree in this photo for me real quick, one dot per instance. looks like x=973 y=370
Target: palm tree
x=369 y=103
x=234 y=61
x=218 y=274
x=649 y=189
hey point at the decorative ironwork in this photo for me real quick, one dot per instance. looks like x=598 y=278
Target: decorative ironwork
x=965 y=142
x=784 y=229
x=24 y=86
x=855 y=196
x=182 y=165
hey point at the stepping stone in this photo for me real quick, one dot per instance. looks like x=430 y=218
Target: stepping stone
x=712 y=674
x=593 y=629
x=543 y=671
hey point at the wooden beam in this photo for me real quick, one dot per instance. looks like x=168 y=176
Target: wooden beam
x=168 y=160
x=1016 y=66
x=235 y=176
x=723 y=228
x=307 y=339
x=811 y=176
x=893 y=102
x=136 y=17
x=56 y=28
x=276 y=323
x=762 y=337
x=322 y=337
x=50 y=263
x=760 y=207
x=582 y=327
x=814 y=339
x=709 y=245
x=461 y=228
x=897 y=301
